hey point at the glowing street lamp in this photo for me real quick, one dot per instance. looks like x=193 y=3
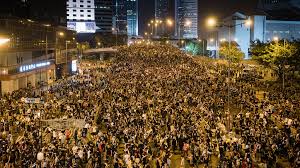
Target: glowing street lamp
x=47 y=25
x=188 y=23
x=4 y=41
x=169 y=22
x=211 y=22
x=61 y=34
x=248 y=22
x=276 y=39
x=211 y=40
x=223 y=40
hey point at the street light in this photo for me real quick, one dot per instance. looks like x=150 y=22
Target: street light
x=4 y=40
x=223 y=40
x=116 y=31
x=276 y=39
x=200 y=41
x=169 y=22
x=67 y=51
x=188 y=23
x=248 y=22
x=211 y=22
x=61 y=34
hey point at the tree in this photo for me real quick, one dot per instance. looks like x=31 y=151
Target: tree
x=231 y=52
x=276 y=55
x=258 y=51
x=196 y=48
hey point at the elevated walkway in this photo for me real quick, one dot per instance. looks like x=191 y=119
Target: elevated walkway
x=100 y=50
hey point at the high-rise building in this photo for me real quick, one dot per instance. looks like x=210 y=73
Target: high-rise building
x=16 y=8
x=81 y=16
x=280 y=9
x=162 y=10
x=186 y=18
x=104 y=15
x=45 y=11
x=132 y=17
x=50 y=11
x=120 y=16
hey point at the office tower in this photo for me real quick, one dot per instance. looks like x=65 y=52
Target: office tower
x=120 y=16
x=81 y=16
x=280 y=9
x=104 y=15
x=132 y=17
x=186 y=18
x=50 y=11
x=162 y=10
x=47 y=11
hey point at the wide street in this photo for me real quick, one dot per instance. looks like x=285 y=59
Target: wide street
x=154 y=106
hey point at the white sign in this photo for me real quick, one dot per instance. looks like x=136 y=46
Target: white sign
x=32 y=100
x=29 y=67
x=82 y=27
x=74 y=66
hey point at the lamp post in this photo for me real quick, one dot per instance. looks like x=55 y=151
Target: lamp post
x=202 y=41
x=115 y=30
x=276 y=39
x=169 y=23
x=46 y=47
x=188 y=24
x=213 y=23
x=4 y=41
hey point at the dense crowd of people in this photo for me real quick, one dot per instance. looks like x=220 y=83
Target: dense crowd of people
x=153 y=103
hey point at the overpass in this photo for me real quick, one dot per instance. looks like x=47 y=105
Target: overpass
x=100 y=50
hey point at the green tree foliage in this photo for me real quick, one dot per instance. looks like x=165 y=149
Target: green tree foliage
x=196 y=48
x=276 y=55
x=231 y=52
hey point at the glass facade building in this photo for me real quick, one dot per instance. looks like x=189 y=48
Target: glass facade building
x=186 y=16
x=104 y=16
x=132 y=17
x=120 y=16
x=81 y=16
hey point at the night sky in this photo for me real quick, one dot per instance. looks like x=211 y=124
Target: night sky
x=218 y=8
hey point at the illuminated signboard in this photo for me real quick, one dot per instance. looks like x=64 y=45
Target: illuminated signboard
x=29 y=67
x=82 y=27
x=74 y=66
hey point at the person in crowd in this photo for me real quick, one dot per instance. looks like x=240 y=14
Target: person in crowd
x=148 y=105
